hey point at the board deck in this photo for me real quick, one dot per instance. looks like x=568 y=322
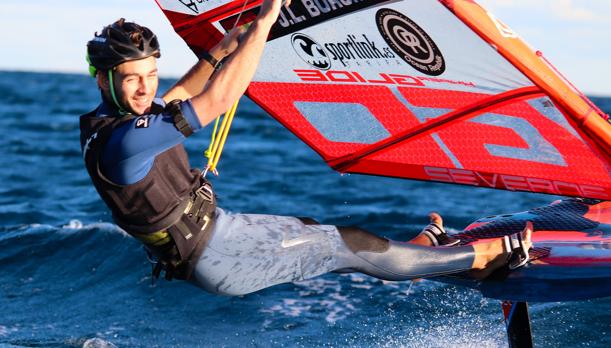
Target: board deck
x=570 y=259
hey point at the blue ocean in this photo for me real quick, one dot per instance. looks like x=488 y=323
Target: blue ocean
x=70 y=278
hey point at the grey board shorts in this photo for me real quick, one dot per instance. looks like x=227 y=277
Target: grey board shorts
x=249 y=252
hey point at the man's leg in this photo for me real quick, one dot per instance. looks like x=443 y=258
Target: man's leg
x=485 y=258
x=391 y=260
x=247 y=253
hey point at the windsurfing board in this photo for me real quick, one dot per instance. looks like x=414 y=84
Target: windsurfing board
x=570 y=258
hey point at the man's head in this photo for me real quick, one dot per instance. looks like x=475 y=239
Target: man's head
x=123 y=59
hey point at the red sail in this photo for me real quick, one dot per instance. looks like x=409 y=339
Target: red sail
x=429 y=90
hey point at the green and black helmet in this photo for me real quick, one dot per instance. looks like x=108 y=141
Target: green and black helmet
x=118 y=43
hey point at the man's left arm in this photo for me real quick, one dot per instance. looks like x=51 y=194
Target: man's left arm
x=192 y=83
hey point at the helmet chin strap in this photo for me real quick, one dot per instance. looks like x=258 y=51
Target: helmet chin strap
x=122 y=111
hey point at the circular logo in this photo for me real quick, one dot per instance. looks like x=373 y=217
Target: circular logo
x=310 y=51
x=410 y=42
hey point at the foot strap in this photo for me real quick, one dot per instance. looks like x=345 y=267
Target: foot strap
x=438 y=236
x=518 y=253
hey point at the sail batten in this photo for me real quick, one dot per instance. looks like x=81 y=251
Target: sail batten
x=342 y=164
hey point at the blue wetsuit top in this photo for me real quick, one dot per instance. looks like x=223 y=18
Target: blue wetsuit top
x=132 y=148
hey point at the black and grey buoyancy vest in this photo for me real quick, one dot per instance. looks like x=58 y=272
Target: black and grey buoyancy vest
x=151 y=204
x=163 y=200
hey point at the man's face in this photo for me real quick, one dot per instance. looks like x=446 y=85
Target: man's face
x=136 y=84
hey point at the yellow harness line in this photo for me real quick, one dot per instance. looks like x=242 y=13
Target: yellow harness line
x=219 y=136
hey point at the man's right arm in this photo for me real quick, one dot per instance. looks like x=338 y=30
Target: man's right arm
x=231 y=81
x=193 y=82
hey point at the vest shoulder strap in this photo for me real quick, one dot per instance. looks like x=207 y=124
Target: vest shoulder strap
x=180 y=122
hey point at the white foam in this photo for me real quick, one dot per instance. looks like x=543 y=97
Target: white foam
x=5 y=331
x=316 y=295
x=97 y=343
x=74 y=224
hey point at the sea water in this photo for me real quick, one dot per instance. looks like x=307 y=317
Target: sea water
x=71 y=278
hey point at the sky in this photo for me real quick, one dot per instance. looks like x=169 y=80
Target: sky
x=45 y=35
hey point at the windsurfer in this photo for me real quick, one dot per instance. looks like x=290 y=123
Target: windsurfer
x=132 y=147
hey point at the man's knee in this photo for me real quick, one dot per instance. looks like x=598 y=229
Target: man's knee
x=357 y=239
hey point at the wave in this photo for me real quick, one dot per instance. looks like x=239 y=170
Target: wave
x=70 y=251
